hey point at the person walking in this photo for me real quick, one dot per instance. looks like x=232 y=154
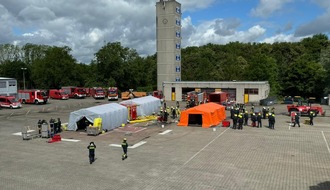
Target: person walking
x=91 y=147
x=296 y=120
x=311 y=117
x=124 y=145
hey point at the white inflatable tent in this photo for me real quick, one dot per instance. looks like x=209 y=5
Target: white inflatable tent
x=113 y=115
x=146 y=105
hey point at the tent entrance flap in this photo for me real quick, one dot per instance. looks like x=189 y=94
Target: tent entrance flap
x=195 y=119
x=83 y=123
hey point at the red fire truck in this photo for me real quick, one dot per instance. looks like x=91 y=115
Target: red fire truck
x=33 y=96
x=97 y=93
x=113 y=93
x=74 y=92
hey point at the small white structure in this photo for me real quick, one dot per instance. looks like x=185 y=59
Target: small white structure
x=146 y=105
x=113 y=115
x=8 y=86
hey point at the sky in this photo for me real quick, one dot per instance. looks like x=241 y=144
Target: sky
x=85 y=26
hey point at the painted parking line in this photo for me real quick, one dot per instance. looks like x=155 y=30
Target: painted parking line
x=70 y=140
x=20 y=133
x=134 y=146
x=165 y=132
x=326 y=142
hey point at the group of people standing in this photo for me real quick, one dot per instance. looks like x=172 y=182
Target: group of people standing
x=240 y=117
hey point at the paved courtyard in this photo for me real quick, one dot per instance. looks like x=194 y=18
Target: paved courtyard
x=172 y=157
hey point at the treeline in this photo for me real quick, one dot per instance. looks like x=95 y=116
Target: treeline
x=292 y=68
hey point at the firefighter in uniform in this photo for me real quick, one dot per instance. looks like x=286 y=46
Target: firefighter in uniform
x=253 y=119
x=240 y=121
x=124 y=145
x=272 y=121
x=91 y=147
x=246 y=118
x=296 y=120
x=235 y=117
x=311 y=117
x=259 y=120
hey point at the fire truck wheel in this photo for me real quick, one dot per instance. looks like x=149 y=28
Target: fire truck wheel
x=23 y=101
x=36 y=102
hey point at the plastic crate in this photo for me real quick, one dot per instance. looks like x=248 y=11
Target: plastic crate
x=225 y=123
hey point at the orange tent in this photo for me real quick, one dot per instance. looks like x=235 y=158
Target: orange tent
x=207 y=115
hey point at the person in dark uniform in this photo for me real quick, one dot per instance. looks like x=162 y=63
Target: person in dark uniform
x=296 y=120
x=311 y=117
x=240 y=121
x=246 y=118
x=91 y=147
x=272 y=121
x=124 y=145
x=259 y=120
x=264 y=112
x=235 y=117
x=253 y=119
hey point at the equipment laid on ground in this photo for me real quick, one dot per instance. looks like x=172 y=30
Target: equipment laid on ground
x=96 y=128
x=55 y=138
x=28 y=133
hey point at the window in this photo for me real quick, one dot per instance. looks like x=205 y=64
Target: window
x=177 y=79
x=3 y=84
x=177 y=45
x=178 y=22
x=178 y=10
x=12 y=83
x=251 y=91
x=178 y=34
x=177 y=69
x=177 y=57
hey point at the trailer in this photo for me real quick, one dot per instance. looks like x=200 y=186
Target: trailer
x=218 y=97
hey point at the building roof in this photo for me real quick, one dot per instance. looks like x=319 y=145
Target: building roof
x=216 y=82
x=5 y=78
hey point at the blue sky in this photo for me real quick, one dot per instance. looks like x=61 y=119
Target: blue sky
x=84 y=26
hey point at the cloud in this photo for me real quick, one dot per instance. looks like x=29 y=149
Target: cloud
x=218 y=31
x=266 y=8
x=282 y=38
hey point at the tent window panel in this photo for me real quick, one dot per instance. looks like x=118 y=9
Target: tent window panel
x=195 y=119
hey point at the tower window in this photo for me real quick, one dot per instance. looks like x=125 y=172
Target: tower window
x=178 y=10
x=178 y=22
x=178 y=34
x=178 y=46
x=177 y=57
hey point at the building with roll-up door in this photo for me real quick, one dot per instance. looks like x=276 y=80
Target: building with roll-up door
x=239 y=91
x=8 y=86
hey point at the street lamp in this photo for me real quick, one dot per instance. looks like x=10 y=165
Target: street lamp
x=24 y=68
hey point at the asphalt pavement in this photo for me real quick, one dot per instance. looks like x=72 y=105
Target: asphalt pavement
x=168 y=157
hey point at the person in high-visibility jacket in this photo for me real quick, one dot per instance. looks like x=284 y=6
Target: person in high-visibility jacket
x=91 y=147
x=124 y=145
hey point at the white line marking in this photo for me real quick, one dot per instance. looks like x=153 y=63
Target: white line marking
x=165 y=132
x=20 y=133
x=70 y=140
x=205 y=147
x=326 y=142
x=134 y=146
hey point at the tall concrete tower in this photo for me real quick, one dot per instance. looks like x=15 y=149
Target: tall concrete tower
x=168 y=34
